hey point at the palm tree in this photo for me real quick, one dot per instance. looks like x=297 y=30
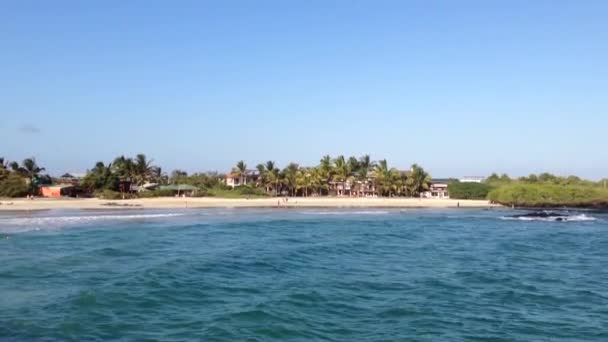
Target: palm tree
x=124 y=168
x=418 y=180
x=290 y=173
x=240 y=171
x=144 y=171
x=269 y=174
x=28 y=169
x=365 y=165
x=304 y=180
x=318 y=181
x=341 y=171
x=325 y=167
x=353 y=164
x=274 y=176
x=100 y=177
x=385 y=177
x=263 y=180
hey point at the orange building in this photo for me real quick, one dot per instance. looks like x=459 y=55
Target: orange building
x=56 y=190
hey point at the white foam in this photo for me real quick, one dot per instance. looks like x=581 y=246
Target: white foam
x=54 y=221
x=346 y=212
x=556 y=218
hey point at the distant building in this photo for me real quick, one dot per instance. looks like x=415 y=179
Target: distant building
x=70 y=178
x=437 y=189
x=59 y=190
x=249 y=177
x=471 y=179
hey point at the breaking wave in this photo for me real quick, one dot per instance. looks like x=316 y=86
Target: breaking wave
x=347 y=212
x=36 y=223
x=550 y=216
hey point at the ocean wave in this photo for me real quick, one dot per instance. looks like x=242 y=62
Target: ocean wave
x=551 y=218
x=77 y=219
x=347 y=212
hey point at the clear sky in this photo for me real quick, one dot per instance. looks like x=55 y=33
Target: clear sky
x=461 y=87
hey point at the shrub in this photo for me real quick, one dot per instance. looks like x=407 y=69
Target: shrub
x=155 y=193
x=110 y=194
x=460 y=190
x=13 y=186
x=238 y=192
x=543 y=195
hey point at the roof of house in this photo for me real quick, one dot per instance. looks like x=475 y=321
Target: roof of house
x=57 y=186
x=440 y=180
x=248 y=173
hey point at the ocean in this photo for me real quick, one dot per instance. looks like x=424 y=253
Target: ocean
x=303 y=275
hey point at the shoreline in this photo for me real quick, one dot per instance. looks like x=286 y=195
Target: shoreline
x=214 y=202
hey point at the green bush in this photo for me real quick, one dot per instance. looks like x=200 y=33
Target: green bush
x=237 y=192
x=13 y=186
x=460 y=190
x=110 y=194
x=155 y=193
x=544 y=195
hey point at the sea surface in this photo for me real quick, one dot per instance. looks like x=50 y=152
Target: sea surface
x=303 y=275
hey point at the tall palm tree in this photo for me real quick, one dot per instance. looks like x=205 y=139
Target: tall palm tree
x=28 y=169
x=353 y=164
x=263 y=177
x=274 y=176
x=341 y=171
x=318 y=181
x=100 y=177
x=240 y=171
x=365 y=167
x=385 y=177
x=304 y=180
x=290 y=173
x=124 y=168
x=143 y=169
x=418 y=181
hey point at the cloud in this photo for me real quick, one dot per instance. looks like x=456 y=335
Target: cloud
x=29 y=129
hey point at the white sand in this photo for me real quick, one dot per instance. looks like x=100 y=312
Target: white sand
x=211 y=202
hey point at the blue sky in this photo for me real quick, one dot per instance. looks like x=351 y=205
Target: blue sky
x=461 y=87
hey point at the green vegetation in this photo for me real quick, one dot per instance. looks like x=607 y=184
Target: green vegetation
x=547 y=190
x=475 y=191
x=137 y=177
x=13 y=185
x=18 y=180
x=244 y=191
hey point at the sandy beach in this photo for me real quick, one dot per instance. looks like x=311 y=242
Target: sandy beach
x=212 y=202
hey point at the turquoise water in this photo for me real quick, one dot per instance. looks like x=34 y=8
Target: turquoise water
x=302 y=275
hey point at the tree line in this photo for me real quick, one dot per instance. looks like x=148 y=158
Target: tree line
x=354 y=174
x=270 y=180
x=20 y=179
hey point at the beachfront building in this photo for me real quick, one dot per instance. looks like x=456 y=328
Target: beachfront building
x=471 y=179
x=249 y=177
x=70 y=178
x=58 y=190
x=353 y=188
x=340 y=188
x=437 y=189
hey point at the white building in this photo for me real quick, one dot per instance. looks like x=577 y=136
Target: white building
x=250 y=177
x=438 y=189
x=471 y=179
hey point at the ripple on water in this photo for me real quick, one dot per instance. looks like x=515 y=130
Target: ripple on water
x=335 y=275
